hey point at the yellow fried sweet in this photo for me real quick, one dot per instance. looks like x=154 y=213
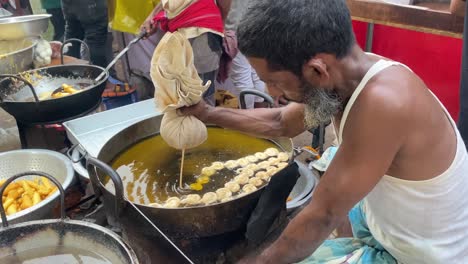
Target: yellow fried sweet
x=203 y=179
x=69 y=89
x=12 y=209
x=36 y=198
x=196 y=186
x=23 y=194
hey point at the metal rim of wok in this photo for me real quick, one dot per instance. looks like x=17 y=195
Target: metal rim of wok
x=200 y=221
x=27 y=228
x=56 y=109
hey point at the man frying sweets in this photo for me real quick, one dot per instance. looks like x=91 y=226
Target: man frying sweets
x=401 y=172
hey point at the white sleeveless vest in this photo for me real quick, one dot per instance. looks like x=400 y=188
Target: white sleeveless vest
x=419 y=221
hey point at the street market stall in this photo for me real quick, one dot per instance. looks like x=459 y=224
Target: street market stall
x=115 y=192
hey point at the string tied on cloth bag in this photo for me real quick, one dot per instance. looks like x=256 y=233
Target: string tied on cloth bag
x=177 y=84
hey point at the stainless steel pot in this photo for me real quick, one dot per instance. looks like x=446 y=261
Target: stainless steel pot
x=15 y=61
x=21 y=27
x=83 y=242
x=200 y=221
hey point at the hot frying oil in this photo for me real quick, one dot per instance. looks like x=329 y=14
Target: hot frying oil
x=150 y=168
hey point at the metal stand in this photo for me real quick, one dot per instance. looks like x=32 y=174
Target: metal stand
x=318 y=137
x=24 y=128
x=369 y=37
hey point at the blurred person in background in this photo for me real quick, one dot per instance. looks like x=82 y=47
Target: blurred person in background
x=202 y=23
x=16 y=7
x=241 y=73
x=54 y=8
x=88 y=20
x=125 y=19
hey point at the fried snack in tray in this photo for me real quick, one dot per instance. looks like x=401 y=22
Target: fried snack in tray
x=23 y=194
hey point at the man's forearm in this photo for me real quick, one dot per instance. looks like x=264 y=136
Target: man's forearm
x=224 y=7
x=304 y=234
x=457 y=7
x=256 y=122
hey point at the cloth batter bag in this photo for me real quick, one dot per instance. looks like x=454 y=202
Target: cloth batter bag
x=177 y=84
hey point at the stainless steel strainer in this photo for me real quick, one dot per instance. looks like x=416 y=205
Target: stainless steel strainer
x=51 y=162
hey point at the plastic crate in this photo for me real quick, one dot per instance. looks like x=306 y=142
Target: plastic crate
x=118 y=101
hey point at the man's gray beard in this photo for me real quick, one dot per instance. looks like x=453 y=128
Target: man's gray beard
x=320 y=106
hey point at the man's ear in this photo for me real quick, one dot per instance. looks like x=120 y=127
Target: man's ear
x=315 y=71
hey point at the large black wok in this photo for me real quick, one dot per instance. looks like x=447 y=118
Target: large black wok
x=192 y=222
x=18 y=99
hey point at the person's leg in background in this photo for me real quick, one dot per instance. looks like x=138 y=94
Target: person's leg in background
x=209 y=95
x=73 y=28
x=58 y=22
x=207 y=49
x=243 y=77
x=94 y=20
x=259 y=86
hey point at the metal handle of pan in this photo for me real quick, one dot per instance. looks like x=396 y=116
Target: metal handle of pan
x=33 y=173
x=118 y=56
x=88 y=52
x=81 y=155
x=91 y=165
x=265 y=96
x=31 y=87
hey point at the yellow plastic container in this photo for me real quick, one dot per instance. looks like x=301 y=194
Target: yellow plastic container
x=127 y=16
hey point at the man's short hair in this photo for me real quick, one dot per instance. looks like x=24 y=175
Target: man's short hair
x=288 y=33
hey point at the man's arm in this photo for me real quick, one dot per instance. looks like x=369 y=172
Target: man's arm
x=457 y=7
x=147 y=25
x=285 y=121
x=374 y=133
x=224 y=6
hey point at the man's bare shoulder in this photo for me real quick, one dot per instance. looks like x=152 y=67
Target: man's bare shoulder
x=387 y=105
x=395 y=90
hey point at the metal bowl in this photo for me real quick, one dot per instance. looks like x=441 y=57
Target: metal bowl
x=23 y=26
x=304 y=186
x=43 y=238
x=14 y=61
x=51 y=162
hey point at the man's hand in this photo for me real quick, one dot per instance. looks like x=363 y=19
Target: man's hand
x=149 y=27
x=199 y=110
